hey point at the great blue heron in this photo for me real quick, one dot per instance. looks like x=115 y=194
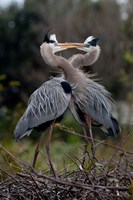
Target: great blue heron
x=91 y=104
x=46 y=105
x=97 y=111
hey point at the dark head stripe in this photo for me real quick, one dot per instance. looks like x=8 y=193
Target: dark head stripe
x=93 y=42
x=46 y=39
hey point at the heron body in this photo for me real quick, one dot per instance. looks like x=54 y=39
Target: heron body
x=90 y=99
x=97 y=104
x=47 y=104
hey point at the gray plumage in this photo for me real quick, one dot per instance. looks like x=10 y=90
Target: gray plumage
x=97 y=102
x=89 y=98
x=80 y=60
x=47 y=103
x=98 y=105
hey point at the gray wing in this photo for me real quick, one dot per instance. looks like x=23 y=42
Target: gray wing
x=47 y=103
x=100 y=101
x=80 y=60
x=96 y=100
x=98 y=105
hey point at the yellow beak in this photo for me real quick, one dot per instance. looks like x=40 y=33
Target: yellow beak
x=70 y=45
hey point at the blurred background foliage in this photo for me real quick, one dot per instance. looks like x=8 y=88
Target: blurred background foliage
x=22 y=69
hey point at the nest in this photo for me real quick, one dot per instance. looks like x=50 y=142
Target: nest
x=92 y=180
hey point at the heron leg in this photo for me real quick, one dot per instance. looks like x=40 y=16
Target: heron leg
x=92 y=142
x=85 y=138
x=86 y=145
x=37 y=150
x=88 y=123
x=85 y=135
x=48 y=150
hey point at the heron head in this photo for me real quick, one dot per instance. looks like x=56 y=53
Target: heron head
x=52 y=41
x=47 y=39
x=94 y=41
x=91 y=41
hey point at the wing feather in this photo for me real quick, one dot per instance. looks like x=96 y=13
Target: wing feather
x=47 y=103
x=98 y=105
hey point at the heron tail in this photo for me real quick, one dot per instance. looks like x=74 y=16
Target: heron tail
x=21 y=129
x=114 y=130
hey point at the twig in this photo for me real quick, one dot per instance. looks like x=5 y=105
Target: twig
x=95 y=140
x=38 y=195
x=84 y=186
x=8 y=163
x=14 y=179
x=14 y=158
x=73 y=161
x=120 y=144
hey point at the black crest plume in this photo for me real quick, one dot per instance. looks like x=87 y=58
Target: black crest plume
x=46 y=37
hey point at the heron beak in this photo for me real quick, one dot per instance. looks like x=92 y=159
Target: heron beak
x=69 y=45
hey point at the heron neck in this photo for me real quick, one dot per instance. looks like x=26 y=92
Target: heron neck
x=72 y=75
